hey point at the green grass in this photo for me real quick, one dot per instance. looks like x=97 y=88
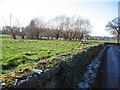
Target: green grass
x=30 y=54
x=18 y=54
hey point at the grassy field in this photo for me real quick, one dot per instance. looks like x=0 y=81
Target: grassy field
x=19 y=58
x=18 y=54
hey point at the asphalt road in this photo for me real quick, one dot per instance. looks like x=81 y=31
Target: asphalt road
x=111 y=76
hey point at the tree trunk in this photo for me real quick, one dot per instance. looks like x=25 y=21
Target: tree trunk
x=74 y=36
x=57 y=36
x=22 y=36
x=14 y=37
x=13 y=34
x=70 y=36
x=118 y=38
x=81 y=37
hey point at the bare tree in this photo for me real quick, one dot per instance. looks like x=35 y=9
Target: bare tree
x=19 y=30
x=86 y=27
x=22 y=32
x=11 y=29
x=114 y=27
x=81 y=27
x=66 y=28
x=40 y=27
x=57 y=25
x=32 y=30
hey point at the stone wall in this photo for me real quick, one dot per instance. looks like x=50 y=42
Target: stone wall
x=64 y=74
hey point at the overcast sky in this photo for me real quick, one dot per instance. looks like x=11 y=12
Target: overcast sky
x=99 y=12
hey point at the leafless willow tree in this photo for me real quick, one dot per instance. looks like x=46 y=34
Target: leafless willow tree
x=9 y=28
x=56 y=25
x=11 y=31
x=114 y=27
x=32 y=30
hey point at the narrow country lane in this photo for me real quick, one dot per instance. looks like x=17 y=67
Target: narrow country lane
x=111 y=75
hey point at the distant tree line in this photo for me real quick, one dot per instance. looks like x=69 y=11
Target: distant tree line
x=60 y=27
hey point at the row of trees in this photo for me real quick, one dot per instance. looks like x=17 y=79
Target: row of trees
x=68 y=28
